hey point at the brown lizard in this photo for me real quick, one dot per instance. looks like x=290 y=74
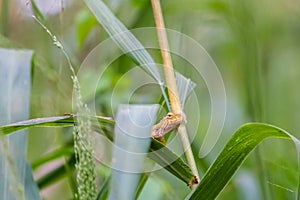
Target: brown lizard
x=170 y=122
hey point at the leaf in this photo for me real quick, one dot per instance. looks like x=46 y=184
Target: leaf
x=85 y=21
x=65 y=151
x=185 y=87
x=46 y=122
x=14 y=105
x=164 y=156
x=103 y=193
x=143 y=179
x=57 y=173
x=36 y=11
x=127 y=42
x=123 y=37
x=244 y=140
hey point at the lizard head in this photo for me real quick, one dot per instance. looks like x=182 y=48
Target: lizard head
x=174 y=118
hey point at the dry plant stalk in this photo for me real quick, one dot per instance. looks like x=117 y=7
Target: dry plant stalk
x=171 y=84
x=166 y=57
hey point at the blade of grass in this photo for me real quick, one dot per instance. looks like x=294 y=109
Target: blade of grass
x=243 y=141
x=126 y=40
x=103 y=193
x=64 y=151
x=185 y=87
x=163 y=156
x=48 y=122
x=15 y=85
x=5 y=17
x=57 y=173
x=36 y=11
x=254 y=85
x=120 y=34
x=143 y=179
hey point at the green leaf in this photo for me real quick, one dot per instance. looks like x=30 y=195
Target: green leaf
x=57 y=173
x=143 y=179
x=15 y=93
x=67 y=120
x=37 y=11
x=123 y=37
x=103 y=193
x=163 y=156
x=139 y=3
x=65 y=151
x=244 y=140
x=127 y=42
x=85 y=21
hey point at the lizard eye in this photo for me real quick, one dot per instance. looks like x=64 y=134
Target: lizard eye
x=170 y=115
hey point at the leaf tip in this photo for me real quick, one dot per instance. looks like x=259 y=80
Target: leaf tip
x=193 y=181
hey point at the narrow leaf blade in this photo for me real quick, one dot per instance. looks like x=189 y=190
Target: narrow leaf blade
x=46 y=122
x=164 y=156
x=123 y=37
x=244 y=140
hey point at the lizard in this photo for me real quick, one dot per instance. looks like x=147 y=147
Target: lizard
x=168 y=123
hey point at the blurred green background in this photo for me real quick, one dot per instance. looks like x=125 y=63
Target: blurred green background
x=255 y=45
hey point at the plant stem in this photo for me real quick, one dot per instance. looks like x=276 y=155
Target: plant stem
x=249 y=51
x=166 y=57
x=171 y=84
x=4 y=17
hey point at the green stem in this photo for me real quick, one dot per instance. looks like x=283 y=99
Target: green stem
x=4 y=17
x=246 y=35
